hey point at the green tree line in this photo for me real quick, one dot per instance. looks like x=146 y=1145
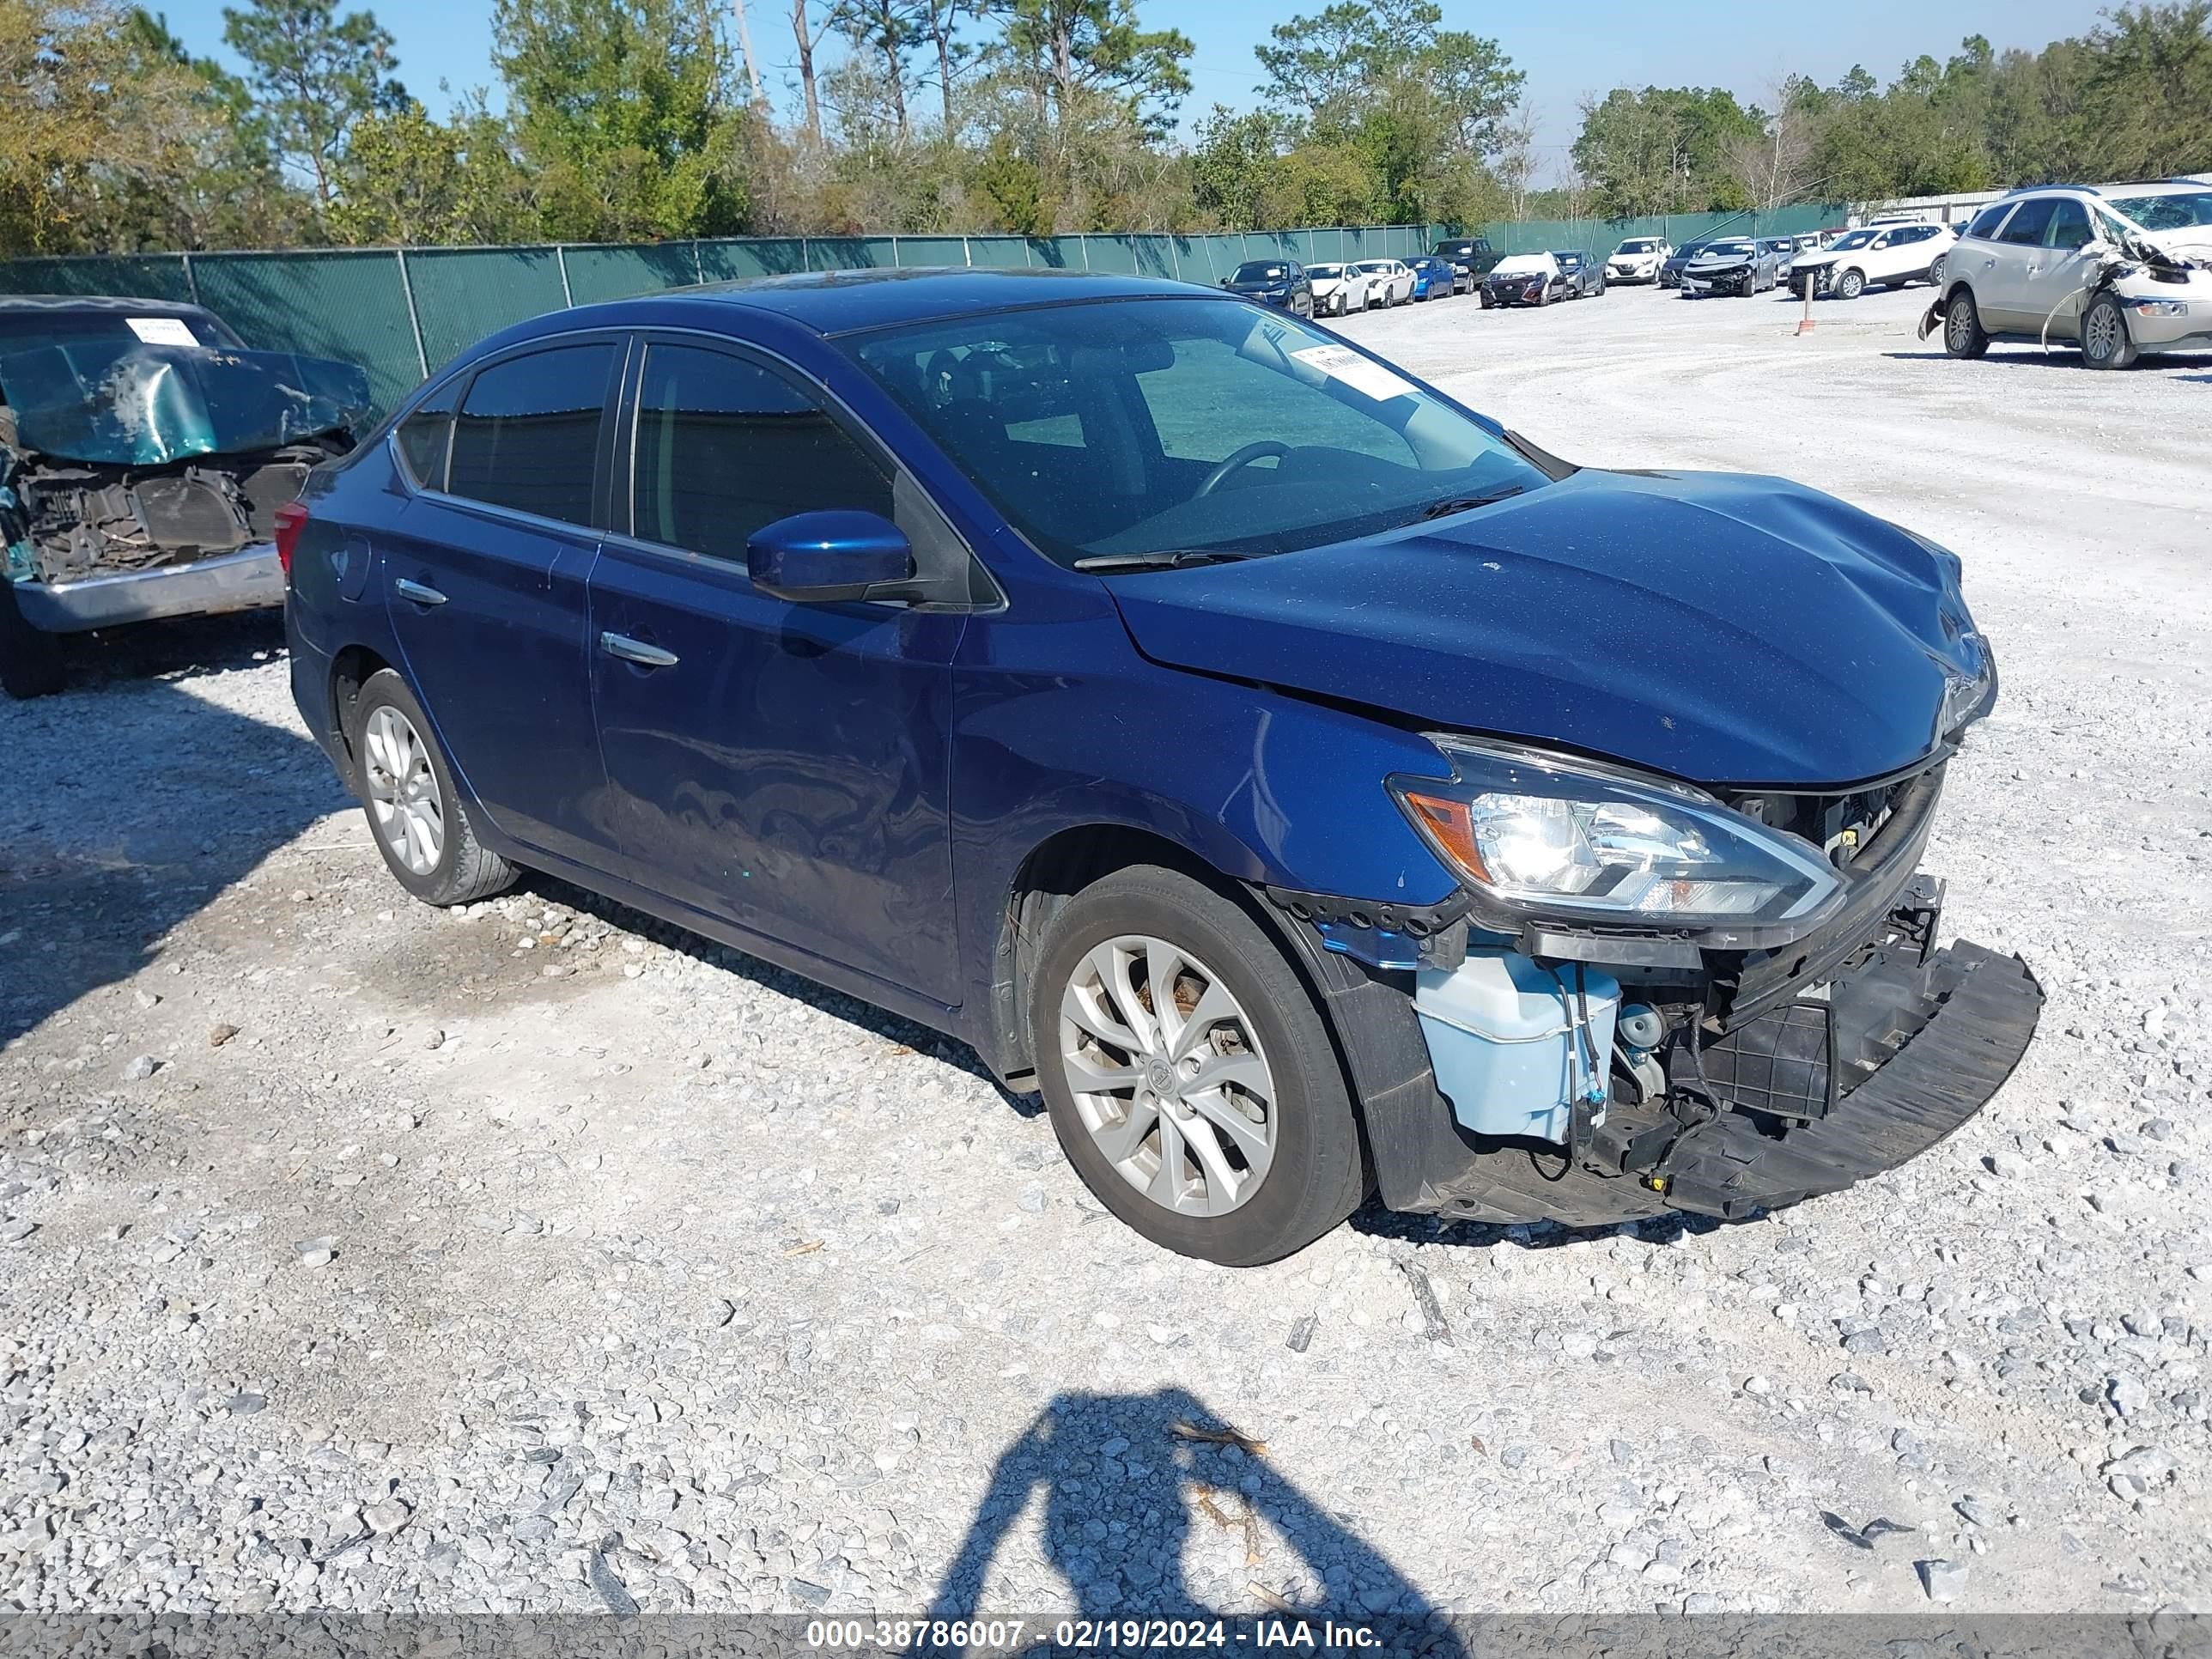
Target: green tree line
x=636 y=120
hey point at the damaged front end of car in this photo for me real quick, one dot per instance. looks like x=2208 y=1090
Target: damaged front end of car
x=1647 y=997
x=2163 y=295
x=141 y=480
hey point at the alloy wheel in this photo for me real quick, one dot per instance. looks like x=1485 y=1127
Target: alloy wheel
x=2100 y=337
x=1167 y=1074
x=1960 y=325
x=404 y=797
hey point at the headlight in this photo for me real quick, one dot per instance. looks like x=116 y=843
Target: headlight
x=2158 y=307
x=1548 y=835
x=1966 y=690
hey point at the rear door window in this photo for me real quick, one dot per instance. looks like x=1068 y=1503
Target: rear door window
x=1985 y=223
x=527 y=436
x=726 y=446
x=2027 y=224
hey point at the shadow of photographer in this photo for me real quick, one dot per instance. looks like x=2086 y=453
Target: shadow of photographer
x=1126 y=1480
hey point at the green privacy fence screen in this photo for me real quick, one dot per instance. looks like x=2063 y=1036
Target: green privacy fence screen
x=400 y=314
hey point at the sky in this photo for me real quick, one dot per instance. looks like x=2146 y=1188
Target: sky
x=1567 y=51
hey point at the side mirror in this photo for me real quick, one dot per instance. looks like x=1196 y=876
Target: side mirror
x=822 y=558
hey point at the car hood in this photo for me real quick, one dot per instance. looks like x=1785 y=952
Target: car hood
x=1721 y=629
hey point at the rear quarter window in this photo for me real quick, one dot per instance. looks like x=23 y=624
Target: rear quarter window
x=1985 y=223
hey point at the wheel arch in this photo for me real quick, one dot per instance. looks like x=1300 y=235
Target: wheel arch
x=1054 y=871
x=350 y=668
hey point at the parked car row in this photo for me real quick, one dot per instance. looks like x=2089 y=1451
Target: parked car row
x=1336 y=288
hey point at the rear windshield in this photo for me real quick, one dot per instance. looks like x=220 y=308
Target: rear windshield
x=1148 y=426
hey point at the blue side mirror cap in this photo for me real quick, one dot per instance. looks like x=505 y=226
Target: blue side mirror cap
x=821 y=558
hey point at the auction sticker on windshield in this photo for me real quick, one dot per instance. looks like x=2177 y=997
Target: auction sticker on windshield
x=1367 y=378
x=162 y=330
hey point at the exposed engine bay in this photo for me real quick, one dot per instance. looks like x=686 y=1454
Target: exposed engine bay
x=68 y=520
x=121 y=455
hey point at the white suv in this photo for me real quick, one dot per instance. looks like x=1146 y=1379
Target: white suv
x=1638 y=260
x=1875 y=256
x=2118 y=269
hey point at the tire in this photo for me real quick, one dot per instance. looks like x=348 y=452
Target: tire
x=30 y=658
x=2105 y=343
x=442 y=866
x=1483 y=300
x=1849 y=284
x=1963 y=334
x=1309 y=1175
x=1936 y=270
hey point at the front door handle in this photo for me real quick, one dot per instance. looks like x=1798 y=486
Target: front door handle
x=417 y=592
x=636 y=651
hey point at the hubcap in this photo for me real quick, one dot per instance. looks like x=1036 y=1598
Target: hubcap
x=2104 y=331
x=403 y=790
x=1167 y=1075
x=1962 y=323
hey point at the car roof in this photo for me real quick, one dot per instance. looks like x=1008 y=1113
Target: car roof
x=99 y=304
x=844 y=301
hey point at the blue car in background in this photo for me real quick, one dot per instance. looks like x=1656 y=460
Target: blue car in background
x=1312 y=788
x=1433 y=277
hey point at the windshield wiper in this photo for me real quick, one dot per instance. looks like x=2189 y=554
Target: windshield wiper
x=1172 y=558
x=1468 y=503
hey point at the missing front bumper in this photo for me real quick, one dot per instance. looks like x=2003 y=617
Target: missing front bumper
x=1919 y=1046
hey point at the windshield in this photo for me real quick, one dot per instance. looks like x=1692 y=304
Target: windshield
x=1374 y=266
x=2179 y=211
x=124 y=404
x=1521 y=265
x=1857 y=238
x=1645 y=247
x=1147 y=425
x=1328 y=273
x=1728 y=250
x=1258 y=270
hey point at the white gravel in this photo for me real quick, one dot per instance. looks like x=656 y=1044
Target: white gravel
x=357 y=1256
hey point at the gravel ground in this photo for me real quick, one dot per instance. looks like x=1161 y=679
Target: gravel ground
x=354 y=1254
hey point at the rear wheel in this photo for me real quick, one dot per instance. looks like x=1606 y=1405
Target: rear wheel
x=1188 y=1074
x=406 y=787
x=1963 y=335
x=30 y=658
x=2104 y=340
x=1936 y=270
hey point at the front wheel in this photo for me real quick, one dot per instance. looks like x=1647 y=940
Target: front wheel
x=1188 y=1074
x=1850 y=285
x=406 y=787
x=1963 y=334
x=2105 y=340
x=30 y=658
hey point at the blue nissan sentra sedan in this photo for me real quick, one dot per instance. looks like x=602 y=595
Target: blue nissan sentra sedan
x=1312 y=788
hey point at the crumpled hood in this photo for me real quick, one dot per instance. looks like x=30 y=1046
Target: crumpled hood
x=1720 y=628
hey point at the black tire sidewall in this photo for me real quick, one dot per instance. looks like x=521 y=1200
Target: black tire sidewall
x=1316 y=1135
x=386 y=688
x=1976 y=340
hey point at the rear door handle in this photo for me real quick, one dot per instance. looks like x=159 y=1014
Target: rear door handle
x=417 y=592
x=636 y=651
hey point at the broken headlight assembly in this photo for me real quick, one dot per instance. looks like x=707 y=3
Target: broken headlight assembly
x=1541 y=835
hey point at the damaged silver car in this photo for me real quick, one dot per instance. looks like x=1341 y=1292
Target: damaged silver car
x=145 y=457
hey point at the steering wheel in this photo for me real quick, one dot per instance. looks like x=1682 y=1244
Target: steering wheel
x=1243 y=457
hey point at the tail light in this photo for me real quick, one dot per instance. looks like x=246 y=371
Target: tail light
x=291 y=520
